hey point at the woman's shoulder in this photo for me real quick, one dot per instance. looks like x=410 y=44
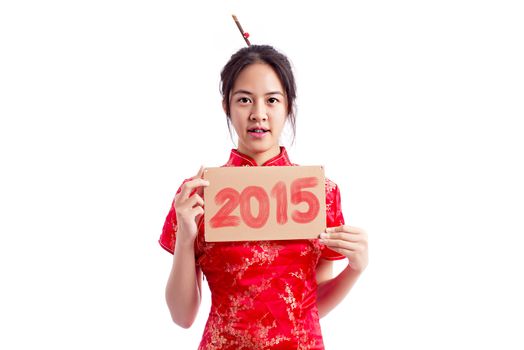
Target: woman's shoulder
x=330 y=185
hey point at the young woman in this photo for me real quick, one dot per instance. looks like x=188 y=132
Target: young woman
x=265 y=294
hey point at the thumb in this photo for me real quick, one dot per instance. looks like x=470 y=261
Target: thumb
x=200 y=173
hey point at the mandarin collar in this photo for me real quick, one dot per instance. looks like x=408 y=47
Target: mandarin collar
x=237 y=158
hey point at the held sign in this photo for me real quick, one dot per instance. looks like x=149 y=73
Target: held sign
x=264 y=203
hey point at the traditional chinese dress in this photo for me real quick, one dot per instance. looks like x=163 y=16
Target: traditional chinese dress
x=263 y=292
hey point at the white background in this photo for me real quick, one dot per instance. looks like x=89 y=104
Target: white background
x=414 y=108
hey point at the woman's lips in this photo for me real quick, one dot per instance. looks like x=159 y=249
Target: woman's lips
x=258 y=134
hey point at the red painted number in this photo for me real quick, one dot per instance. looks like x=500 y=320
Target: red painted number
x=298 y=195
x=263 y=206
x=280 y=193
x=231 y=199
x=222 y=218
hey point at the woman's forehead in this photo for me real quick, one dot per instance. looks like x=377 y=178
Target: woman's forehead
x=258 y=78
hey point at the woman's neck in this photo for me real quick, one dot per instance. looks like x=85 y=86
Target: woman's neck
x=261 y=157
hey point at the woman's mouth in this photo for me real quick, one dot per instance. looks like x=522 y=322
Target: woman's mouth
x=258 y=132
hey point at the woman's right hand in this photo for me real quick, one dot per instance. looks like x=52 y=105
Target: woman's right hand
x=189 y=206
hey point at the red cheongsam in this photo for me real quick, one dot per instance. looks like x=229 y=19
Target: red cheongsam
x=263 y=292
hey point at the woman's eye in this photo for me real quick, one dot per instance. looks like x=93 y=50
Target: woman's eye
x=272 y=100
x=243 y=100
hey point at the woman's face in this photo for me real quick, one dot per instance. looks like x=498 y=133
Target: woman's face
x=258 y=109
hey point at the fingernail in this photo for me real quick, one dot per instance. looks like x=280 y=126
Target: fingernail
x=323 y=235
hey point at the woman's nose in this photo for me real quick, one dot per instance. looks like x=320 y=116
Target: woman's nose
x=258 y=112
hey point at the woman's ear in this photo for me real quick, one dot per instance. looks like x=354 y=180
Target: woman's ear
x=224 y=106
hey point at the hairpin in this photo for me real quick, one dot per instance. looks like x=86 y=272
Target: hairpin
x=244 y=35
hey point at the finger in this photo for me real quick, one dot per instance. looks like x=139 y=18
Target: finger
x=199 y=190
x=200 y=175
x=199 y=219
x=189 y=203
x=345 y=252
x=344 y=228
x=189 y=186
x=346 y=236
x=196 y=211
x=194 y=201
x=200 y=172
x=335 y=243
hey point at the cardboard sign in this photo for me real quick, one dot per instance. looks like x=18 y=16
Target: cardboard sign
x=264 y=203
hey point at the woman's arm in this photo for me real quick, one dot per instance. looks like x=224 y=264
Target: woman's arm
x=351 y=242
x=183 y=290
x=331 y=291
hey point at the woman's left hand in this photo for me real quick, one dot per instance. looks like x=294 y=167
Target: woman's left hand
x=349 y=241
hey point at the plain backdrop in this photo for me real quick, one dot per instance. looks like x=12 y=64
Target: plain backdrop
x=415 y=109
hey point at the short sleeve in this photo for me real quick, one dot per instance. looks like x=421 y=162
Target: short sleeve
x=334 y=217
x=168 y=236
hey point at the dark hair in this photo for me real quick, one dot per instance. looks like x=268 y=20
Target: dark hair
x=260 y=54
